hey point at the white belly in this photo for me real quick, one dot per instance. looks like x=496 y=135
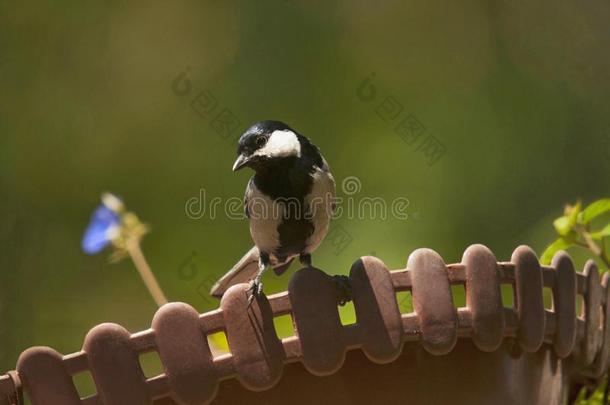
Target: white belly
x=265 y=216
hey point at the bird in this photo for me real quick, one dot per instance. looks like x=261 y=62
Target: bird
x=289 y=202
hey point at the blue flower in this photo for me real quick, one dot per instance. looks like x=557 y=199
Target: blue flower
x=104 y=226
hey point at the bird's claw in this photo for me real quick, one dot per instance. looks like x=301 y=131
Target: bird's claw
x=344 y=288
x=255 y=290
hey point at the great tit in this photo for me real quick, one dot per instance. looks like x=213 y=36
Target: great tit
x=289 y=202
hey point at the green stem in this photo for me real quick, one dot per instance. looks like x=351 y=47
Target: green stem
x=135 y=252
x=604 y=254
x=592 y=246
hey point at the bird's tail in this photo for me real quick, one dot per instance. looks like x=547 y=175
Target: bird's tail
x=243 y=271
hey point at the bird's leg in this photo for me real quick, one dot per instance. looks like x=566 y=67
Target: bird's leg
x=344 y=288
x=256 y=285
x=342 y=283
x=305 y=259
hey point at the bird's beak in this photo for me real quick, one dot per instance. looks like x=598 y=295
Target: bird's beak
x=241 y=161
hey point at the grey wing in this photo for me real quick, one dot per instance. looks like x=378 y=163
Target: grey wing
x=243 y=271
x=326 y=168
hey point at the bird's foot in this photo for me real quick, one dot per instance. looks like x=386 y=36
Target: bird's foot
x=344 y=288
x=255 y=290
x=305 y=259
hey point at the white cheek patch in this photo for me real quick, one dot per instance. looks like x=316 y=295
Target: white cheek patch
x=281 y=144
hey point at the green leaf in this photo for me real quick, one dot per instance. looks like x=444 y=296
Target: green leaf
x=600 y=234
x=562 y=225
x=594 y=210
x=559 y=244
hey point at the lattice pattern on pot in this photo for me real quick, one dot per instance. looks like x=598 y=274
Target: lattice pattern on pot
x=179 y=334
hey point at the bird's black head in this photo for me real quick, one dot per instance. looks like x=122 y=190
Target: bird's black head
x=265 y=143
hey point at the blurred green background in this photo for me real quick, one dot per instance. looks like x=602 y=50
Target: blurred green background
x=517 y=94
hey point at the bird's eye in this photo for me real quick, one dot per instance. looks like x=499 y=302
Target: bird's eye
x=260 y=141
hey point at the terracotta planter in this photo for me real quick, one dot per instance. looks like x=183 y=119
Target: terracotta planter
x=439 y=354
